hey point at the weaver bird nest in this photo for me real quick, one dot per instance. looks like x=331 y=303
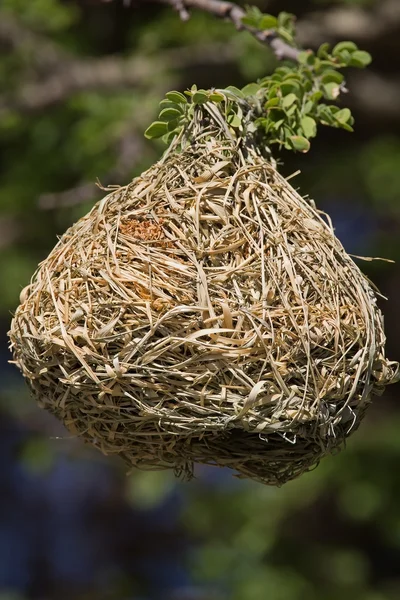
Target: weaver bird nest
x=204 y=313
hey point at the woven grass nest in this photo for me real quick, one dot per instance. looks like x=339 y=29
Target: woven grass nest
x=204 y=313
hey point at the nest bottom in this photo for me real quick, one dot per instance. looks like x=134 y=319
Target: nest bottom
x=250 y=455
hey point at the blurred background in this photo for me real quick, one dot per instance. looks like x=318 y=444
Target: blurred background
x=80 y=80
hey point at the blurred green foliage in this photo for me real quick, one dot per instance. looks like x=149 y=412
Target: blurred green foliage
x=48 y=16
x=317 y=537
x=334 y=533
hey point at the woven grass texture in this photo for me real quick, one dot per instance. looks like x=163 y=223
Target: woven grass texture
x=204 y=313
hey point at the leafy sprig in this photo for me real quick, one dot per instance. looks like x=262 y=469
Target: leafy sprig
x=284 y=108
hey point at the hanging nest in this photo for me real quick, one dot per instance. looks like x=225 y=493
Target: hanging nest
x=204 y=313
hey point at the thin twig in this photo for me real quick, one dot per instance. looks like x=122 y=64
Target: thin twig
x=234 y=13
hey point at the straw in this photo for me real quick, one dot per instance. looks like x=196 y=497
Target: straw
x=204 y=313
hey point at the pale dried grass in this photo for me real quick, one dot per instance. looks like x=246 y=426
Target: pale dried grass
x=204 y=313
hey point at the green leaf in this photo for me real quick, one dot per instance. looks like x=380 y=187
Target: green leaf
x=309 y=105
x=300 y=143
x=276 y=77
x=346 y=127
x=200 y=97
x=345 y=119
x=278 y=124
x=291 y=110
x=169 y=137
x=169 y=114
x=176 y=97
x=323 y=50
x=249 y=20
x=235 y=91
x=250 y=89
x=306 y=57
x=276 y=115
x=283 y=70
x=309 y=126
x=316 y=96
x=273 y=91
x=285 y=35
x=325 y=114
x=156 y=130
x=317 y=65
x=261 y=122
x=172 y=125
x=349 y=46
x=332 y=76
x=216 y=96
x=331 y=90
x=168 y=104
x=288 y=132
x=292 y=76
x=289 y=100
x=308 y=85
x=290 y=86
x=360 y=58
x=234 y=120
x=268 y=22
x=252 y=17
x=343 y=115
x=272 y=102
x=345 y=57
x=286 y=20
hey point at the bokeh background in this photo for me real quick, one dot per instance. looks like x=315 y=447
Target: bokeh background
x=80 y=80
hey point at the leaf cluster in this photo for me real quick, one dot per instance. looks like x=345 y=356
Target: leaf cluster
x=284 y=108
x=283 y=24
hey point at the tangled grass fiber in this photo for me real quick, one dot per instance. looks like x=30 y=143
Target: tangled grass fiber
x=204 y=313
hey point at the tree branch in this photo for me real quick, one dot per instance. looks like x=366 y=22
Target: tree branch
x=234 y=13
